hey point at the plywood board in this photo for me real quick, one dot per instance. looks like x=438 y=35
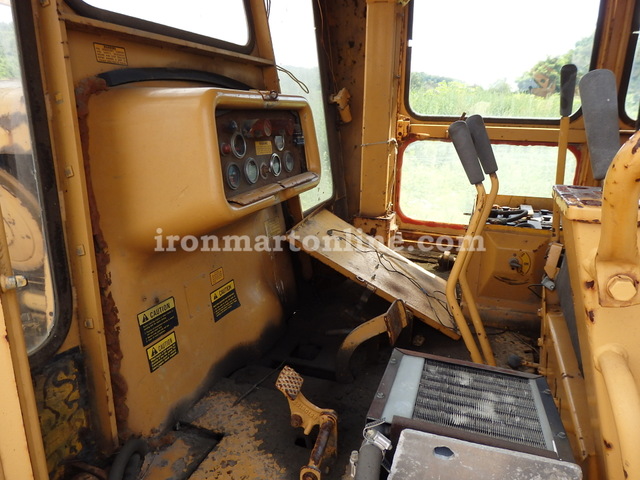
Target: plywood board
x=365 y=260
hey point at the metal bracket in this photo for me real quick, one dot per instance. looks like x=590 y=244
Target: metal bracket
x=394 y=321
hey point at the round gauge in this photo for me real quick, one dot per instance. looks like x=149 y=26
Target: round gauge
x=276 y=164
x=289 y=161
x=233 y=176
x=238 y=145
x=279 y=141
x=251 y=171
x=266 y=128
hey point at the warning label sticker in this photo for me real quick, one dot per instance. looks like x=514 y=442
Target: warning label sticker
x=156 y=321
x=264 y=147
x=224 y=300
x=110 y=54
x=161 y=352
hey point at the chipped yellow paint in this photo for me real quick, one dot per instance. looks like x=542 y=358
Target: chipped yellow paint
x=238 y=456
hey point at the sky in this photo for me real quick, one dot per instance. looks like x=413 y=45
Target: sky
x=479 y=42
x=476 y=41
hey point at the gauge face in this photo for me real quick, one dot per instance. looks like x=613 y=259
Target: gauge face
x=276 y=164
x=289 y=161
x=233 y=176
x=238 y=145
x=279 y=141
x=251 y=171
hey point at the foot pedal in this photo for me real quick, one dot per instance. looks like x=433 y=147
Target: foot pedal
x=306 y=415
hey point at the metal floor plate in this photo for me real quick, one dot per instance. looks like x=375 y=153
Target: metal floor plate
x=424 y=456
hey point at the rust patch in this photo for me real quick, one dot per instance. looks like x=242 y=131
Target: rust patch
x=320 y=447
x=591 y=315
x=589 y=284
x=84 y=90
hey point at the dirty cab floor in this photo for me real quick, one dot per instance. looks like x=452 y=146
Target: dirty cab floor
x=241 y=429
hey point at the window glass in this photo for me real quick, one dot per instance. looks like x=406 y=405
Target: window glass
x=222 y=19
x=497 y=58
x=632 y=98
x=20 y=196
x=295 y=47
x=435 y=187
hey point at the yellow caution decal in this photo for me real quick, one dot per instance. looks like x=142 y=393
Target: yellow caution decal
x=156 y=321
x=162 y=351
x=224 y=300
x=110 y=54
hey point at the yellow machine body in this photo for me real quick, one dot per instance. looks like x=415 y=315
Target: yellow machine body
x=152 y=184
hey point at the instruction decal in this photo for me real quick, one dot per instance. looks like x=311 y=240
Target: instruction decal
x=110 y=54
x=157 y=321
x=263 y=147
x=216 y=276
x=161 y=352
x=224 y=300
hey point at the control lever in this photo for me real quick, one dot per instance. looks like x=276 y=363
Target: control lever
x=600 y=111
x=463 y=142
x=482 y=145
x=567 y=92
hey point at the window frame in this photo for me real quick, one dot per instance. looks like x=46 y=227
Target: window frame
x=104 y=15
x=46 y=179
x=627 y=70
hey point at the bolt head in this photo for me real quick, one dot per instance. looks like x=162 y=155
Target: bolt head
x=622 y=288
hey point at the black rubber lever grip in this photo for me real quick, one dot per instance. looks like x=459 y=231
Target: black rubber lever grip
x=600 y=112
x=463 y=143
x=567 y=88
x=482 y=144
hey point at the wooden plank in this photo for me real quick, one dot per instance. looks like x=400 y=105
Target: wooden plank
x=367 y=261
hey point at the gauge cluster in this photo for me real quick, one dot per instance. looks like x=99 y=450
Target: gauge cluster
x=259 y=149
x=208 y=156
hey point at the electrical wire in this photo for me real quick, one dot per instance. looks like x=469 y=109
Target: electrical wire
x=386 y=262
x=300 y=83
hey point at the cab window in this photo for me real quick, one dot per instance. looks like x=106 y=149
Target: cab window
x=28 y=197
x=435 y=187
x=632 y=94
x=299 y=74
x=224 y=20
x=499 y=59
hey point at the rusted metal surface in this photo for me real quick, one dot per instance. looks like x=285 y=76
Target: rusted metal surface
x=84 y=90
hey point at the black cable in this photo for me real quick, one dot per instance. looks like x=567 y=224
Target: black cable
x=382 y=258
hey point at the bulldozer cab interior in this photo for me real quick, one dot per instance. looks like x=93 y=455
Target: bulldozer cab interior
x=278 y=239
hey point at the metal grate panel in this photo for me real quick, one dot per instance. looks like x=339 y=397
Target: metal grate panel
x=481 y=401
